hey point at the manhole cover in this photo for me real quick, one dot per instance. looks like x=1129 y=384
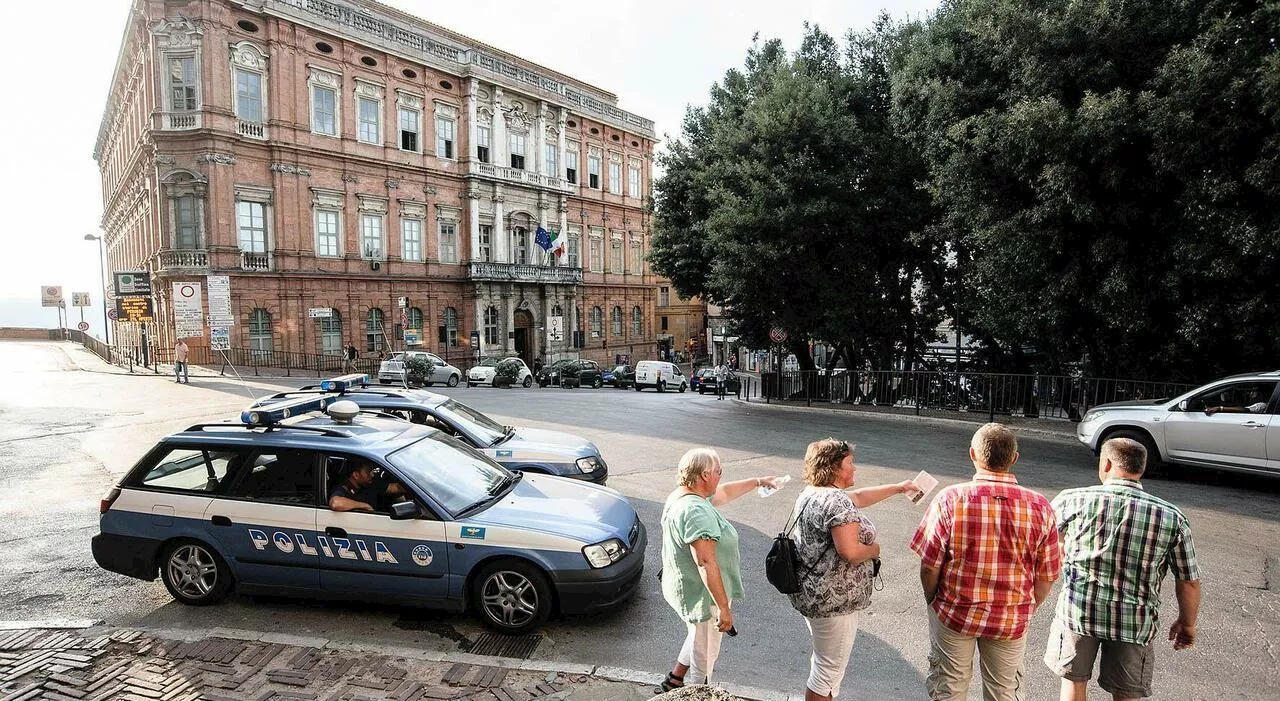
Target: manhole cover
x=521 y=647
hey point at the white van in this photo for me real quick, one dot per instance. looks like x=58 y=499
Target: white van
x=660 y=375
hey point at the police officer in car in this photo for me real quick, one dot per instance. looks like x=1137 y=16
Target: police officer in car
x=361 y=492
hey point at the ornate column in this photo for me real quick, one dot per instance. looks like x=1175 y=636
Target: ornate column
x=500 y=241
x=560 y=125
x=498 y=149
x=472 y=86
x=473 y=218
x=539 y=133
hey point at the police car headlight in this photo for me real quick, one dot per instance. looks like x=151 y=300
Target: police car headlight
x=589 y=464
x=605 y=554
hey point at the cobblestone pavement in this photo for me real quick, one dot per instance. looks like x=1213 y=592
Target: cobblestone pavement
x=136 y=666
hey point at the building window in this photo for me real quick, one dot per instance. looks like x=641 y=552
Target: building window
x=448 y=242
x=260 y=332
x=371 y=236
x=615 y=257
x=444 y=137
x=593 y=169
x=664 y=296
x=324 y=110
x=486 y=243
x=615 y=174
x=634 y=266
x=515 y=145
x=374 y=340
x=413 y=316
x=637 y=322
x=182 y=84
x=483 y=137
x=633 y=184
x=597 y=322
x=411 y=231
x=330 y=333
x=248 y=96
x=597 y=254
x=410 y=124
x=370 y=120
x=575 y=251
x=551 y=167
x=664 y=323
x=252 y=222
x=327 y=233
x=519 y=245
x=188 y=223
x=491 y=326
x=615 y=321
x=571 y=164
x=449 y=330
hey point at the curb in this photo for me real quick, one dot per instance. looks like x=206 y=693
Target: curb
x=609 y=673
x=936 y=420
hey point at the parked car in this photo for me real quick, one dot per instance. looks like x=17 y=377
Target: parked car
x=702 y=379
x=1229 y=424
x=621 y=376
x=392 y=369
x=483 y=373
x=550 y=375
x=582 y=373
x=660 y=375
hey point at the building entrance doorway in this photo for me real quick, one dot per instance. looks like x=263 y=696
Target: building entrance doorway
x=524 y=337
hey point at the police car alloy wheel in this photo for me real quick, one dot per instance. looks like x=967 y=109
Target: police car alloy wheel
x=512 y=596
x=453 y=380
x=194 y=574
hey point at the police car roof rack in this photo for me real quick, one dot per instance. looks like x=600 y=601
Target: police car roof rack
x=332 y=432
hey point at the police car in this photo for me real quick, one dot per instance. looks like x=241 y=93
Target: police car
x=245 y=506
x=515 y=448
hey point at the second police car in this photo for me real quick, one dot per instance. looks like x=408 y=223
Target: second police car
x=245 y=506
x=514 y=447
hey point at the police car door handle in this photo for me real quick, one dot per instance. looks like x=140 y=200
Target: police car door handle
x=220 y=521
x=335 y=532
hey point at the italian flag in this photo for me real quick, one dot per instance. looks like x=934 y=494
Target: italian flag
x=557 y=244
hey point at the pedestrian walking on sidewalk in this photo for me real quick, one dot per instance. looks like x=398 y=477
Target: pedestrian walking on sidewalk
x=349 y=357
x=180 y=353
x=722 y=377
x=989 y=556
x=1118 y=542
x=839 y=556
x=701 y=567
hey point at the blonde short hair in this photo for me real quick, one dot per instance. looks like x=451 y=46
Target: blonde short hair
x=995 y=447
x=694 y=464
x=822 y=461
x=1125 y=453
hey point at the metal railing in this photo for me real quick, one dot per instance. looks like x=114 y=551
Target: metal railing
x=1042 y=396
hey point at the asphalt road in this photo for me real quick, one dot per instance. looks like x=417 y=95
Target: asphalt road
x=70 y=429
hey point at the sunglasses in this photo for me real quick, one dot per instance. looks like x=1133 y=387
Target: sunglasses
x=845 y=448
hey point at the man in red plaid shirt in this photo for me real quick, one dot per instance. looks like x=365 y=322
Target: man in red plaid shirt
x=989 y=555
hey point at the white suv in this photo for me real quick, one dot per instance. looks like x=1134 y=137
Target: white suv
x=660 y=375
x=1229 y=424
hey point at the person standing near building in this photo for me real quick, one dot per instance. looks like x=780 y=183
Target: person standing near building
x=989 y=556
x=1118 y=543
x=349 y=357
x=721 y=377
x=180 y=354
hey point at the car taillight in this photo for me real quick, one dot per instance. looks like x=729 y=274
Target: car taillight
x=108 y=499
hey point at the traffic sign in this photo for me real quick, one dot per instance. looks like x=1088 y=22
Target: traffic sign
x=112 y=314
x=83 y=326
x=219 y=338
x=51 y=296
x=320 y=312
x=80 y=299
x=134 y=308
x=219 y=287
x=778 y=335
x=188 y=310
x=133 y=283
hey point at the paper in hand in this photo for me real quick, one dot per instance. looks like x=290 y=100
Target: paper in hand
x=925 y=483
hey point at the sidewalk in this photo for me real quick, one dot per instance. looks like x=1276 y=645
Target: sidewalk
x=104 y=663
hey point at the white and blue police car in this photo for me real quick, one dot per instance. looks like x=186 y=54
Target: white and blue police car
x=246 y=507
x=529 y=450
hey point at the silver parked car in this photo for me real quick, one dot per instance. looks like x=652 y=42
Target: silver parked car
x=1228 y=424
x=392 y=370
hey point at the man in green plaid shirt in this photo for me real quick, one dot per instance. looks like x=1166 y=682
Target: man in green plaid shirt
x=1117 y=544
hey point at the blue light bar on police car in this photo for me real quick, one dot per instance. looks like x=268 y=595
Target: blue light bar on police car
x=272 y=414
x=345 y=382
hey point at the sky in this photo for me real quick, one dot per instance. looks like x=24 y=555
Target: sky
x=658 y=56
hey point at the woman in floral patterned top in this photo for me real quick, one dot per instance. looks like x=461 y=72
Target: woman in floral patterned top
x=837 y=544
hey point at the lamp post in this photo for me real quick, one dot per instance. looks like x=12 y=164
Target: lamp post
x=102 y=276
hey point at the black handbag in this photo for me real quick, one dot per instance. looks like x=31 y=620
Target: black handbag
x=782 y=564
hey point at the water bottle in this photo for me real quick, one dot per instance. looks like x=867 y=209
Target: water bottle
x=765 y=490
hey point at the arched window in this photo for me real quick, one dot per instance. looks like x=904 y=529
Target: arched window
x=260 y=341
x=330 y=333
x=449 y=329
x=413 y=317
x=597 y=322
x=615 y=321
x=491 y=326
x=373 y=334
x=637 y=322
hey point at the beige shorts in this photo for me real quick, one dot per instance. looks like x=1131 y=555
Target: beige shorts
x=1126 y=669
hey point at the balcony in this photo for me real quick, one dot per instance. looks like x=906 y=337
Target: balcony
x=181 y=121
x=256 y=262
x=512 y=272
x=253 y=130
x=182 y=261
x=517 y=175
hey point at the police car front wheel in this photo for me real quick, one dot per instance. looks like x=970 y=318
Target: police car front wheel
x=194 y=574
x=512 y=596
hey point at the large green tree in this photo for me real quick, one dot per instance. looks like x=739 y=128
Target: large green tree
x=1107 y=176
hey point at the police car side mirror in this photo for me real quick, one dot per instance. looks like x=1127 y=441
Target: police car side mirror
x=404 y=510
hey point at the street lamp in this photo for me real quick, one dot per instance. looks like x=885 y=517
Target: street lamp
x=102 y=275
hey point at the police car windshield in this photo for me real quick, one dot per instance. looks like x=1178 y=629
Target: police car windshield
x=483 y=428
x=457 y=477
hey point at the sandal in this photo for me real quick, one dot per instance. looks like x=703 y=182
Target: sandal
x=670 y=683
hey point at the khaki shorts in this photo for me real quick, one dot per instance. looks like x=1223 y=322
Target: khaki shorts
x=1126 y=668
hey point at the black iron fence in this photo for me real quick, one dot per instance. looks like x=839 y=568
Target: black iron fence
x=1045 y=396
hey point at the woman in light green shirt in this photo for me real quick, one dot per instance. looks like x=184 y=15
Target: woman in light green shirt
x=701 y=568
